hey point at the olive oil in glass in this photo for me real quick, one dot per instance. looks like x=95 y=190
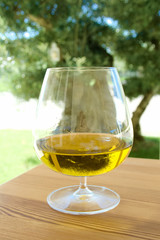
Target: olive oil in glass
x=82 y=154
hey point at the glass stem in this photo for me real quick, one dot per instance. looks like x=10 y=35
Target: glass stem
x=83 y=190
x=83 y=182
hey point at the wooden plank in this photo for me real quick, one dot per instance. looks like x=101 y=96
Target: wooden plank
x=25 y=214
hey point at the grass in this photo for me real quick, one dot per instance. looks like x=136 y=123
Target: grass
x=147 y=149
x=17 y=154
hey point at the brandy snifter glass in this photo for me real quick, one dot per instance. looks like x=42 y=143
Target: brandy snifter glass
x=82 y=129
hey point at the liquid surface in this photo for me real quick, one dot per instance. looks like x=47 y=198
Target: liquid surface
x=82 y=154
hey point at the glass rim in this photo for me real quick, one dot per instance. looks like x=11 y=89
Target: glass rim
x=81 y=68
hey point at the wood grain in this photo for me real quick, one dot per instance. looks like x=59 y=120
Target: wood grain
x=25 y=214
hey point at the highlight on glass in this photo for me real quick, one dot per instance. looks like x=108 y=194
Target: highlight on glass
x=82 y=129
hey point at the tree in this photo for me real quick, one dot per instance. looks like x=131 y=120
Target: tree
x=76 y=28
x=138 y=43
x=80 y=32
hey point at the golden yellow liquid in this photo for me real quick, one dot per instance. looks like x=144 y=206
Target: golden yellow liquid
x=82 y=154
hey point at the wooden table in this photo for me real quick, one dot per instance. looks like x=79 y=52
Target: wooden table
x=25 y=214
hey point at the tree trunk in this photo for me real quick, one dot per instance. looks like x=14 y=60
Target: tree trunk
x=76 y=33
x=138 y=113
x=41 y=21
x=84 y=40
x=110 y=60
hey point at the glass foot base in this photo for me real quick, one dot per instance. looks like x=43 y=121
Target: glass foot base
x=97 y=200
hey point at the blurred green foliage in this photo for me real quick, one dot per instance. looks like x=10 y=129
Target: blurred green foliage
x=80 y=38
x=80 y=30
x=138 y=43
